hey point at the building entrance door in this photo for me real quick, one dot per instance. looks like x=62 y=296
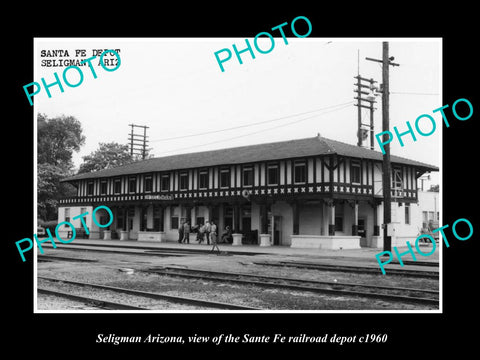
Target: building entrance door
x=275 y=230
x=362 y=232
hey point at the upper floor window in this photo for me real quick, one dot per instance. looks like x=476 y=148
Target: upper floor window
x=247 y=176
x=184 y=181
x=300 y=172
x=117 y=186
x=165 y=183
x=203 y=179
x=407 y=213
x=132 y=184
x=225 y=178
x=67 y=215
x=103 y=187
x=272 y=174
x=148 y=183
x=90 y=188
x=355 y=172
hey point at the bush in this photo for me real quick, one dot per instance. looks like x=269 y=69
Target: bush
x=51 y=225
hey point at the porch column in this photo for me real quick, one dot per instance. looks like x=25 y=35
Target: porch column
x=209 y=213
x=193 y=216
x=125 y=218
x=263 y=219
x=264 y=235
x=331 y=216
x=124 y=231
x=236 y=218
x=161 y=215
x=188 y=214
x=376 y=219
x=295 y=218
x=143 y=218
x=355 y=219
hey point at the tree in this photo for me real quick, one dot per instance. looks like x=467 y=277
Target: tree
x=108 y=155
x=57 y=139
x=50 y=189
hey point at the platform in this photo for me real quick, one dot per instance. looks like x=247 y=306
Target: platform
x=367 y=254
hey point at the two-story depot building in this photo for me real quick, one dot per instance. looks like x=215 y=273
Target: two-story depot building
x=311 y=192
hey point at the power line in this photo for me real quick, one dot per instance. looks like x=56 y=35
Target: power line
x=248 y=125
x=346 y=105
x=412 y=93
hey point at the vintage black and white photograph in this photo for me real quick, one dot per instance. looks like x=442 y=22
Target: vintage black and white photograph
x=268 y=174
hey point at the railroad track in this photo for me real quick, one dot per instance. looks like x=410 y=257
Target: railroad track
x=417 y=263
x=426 y=297
x=62 y=258
x=114 y=250
x=147 y=250
x=150 y=295
x=354 y=269
x=103 y=304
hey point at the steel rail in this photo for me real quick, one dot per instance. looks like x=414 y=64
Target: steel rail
x=267 y=282
x=157 y=296
x=305 y=281
x=147 y=249
x=125 y=251
x=90 y=301
x=355 y=269
x=62 y=258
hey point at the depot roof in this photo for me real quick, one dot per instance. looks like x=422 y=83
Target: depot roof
x=313 y=146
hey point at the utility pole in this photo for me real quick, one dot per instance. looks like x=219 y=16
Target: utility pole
x=370 y=100
x=386 y=166
x=138 y=142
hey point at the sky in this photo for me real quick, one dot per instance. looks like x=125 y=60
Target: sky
x=176 y=88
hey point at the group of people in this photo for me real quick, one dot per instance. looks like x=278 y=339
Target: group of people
x=205 y=232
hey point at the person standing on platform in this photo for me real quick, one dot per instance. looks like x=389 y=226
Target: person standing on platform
x=213 y=236
x=207 y=231
x=200 y=233
x=186 y=232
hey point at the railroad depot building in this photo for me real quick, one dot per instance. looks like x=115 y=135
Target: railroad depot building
x=312 y=192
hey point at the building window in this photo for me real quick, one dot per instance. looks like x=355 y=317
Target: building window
x=67 y=216
x=132 y=184
x=203 y=180
x=165 y=183
x=200 y=220
x=117 y=186
x=90 y=188
x=407 y=213
x=355 y=172
x=184 y=181
x=300 y=172
x=247 y=176
x=225 y=178
x=103 y=187
x=424 y=219
x=148 y=183
x=272 y=174
x=174 y=222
